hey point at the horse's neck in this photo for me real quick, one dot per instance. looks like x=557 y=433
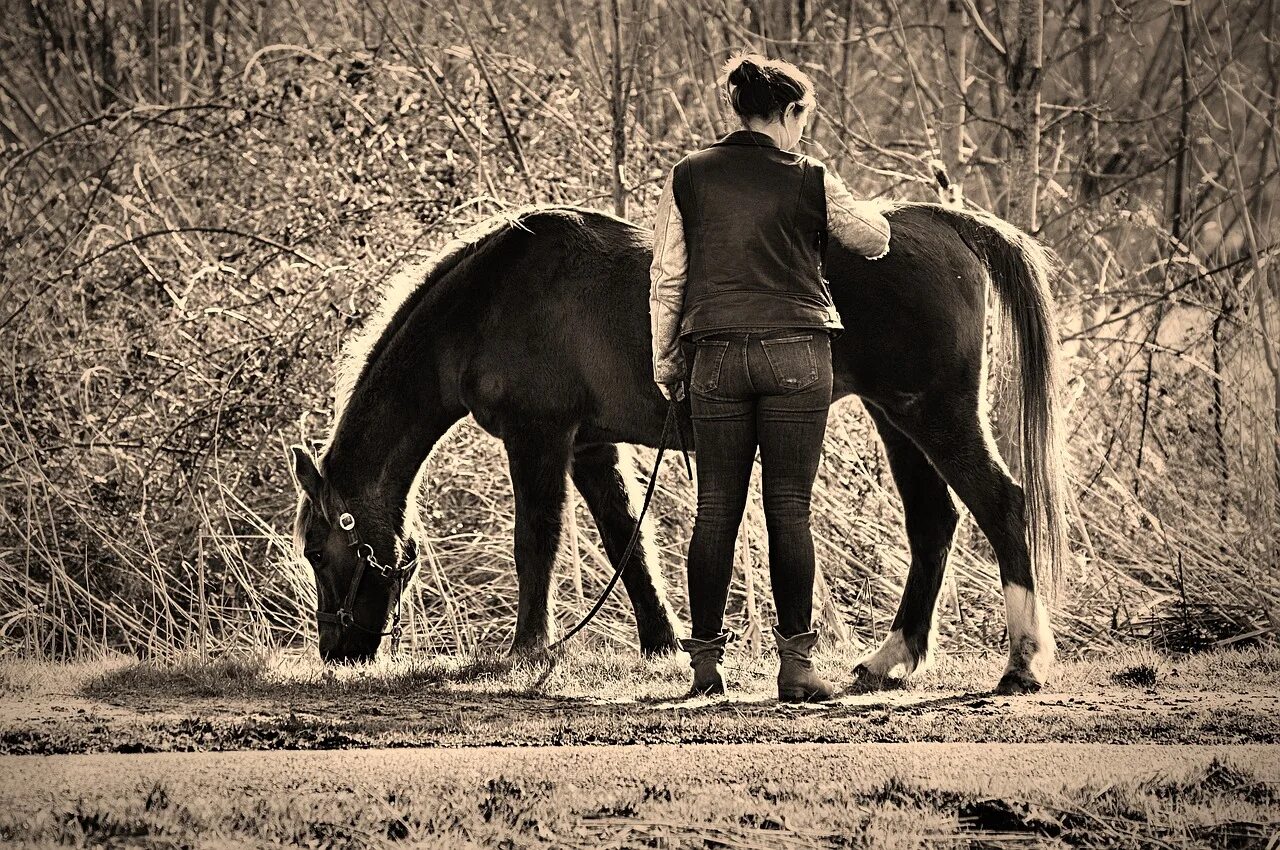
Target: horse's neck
x=391 y=421
x=372 y=463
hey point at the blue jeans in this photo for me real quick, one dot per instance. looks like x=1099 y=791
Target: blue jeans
x=771 y=389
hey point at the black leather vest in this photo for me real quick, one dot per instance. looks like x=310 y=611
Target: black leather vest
x=755 y=221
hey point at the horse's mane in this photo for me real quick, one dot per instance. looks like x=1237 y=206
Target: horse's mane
x=405 y=290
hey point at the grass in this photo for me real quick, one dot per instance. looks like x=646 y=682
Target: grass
x=592 y=672
x=593 y=696
x=1220 y=806
x=603 y=674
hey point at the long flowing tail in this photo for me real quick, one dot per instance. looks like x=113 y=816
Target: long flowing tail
x=1020 y=268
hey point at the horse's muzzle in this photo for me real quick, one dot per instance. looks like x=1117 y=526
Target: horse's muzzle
x=348 y=648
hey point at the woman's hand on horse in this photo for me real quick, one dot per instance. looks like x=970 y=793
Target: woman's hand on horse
x=882 y=254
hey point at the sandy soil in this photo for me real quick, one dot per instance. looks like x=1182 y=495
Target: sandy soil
x=734 y=795
x=50 y=723
x=28 y=782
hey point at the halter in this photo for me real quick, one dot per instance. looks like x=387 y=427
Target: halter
x=344 y=617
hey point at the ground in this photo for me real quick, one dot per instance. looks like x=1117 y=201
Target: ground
x=1139 y=749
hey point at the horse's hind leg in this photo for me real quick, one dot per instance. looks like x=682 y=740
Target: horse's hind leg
x=953 y=434
x=603 y=474
x=931 y=519
x=538 y=458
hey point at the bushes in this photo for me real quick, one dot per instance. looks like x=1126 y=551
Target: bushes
x=184 y=258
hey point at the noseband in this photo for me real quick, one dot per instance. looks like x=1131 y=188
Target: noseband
x=344 y=617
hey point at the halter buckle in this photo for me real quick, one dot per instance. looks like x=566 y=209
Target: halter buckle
x=346 y=521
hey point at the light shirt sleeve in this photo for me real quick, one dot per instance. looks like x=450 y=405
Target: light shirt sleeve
x=858 y=225
x=667 y=277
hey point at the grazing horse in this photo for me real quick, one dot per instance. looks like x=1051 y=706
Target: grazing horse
x=537 y=324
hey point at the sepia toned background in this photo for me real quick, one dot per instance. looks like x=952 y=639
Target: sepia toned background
x=199 y=201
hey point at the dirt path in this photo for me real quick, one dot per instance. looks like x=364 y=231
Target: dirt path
x=993 y=769
x=318 y=718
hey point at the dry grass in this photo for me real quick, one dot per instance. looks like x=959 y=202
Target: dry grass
x=1221 y=806
x=597 y=673
x=464 y=598
x=594 y=696
x=158 y=361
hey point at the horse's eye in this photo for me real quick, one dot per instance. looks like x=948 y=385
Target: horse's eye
x=313 y=554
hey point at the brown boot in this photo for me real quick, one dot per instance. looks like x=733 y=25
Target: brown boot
x=796 y=680
x=705 y=657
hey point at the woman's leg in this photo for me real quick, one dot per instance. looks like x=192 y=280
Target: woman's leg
x=724 y=426
x=791 y=422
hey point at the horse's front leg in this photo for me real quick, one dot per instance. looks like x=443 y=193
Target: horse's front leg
x=538 y=457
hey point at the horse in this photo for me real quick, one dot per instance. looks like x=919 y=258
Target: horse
x=536 y=322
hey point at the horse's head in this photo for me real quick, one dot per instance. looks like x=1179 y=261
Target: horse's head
x=361 y=566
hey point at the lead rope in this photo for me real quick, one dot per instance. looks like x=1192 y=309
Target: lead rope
x=635 y=534
x=396 y=630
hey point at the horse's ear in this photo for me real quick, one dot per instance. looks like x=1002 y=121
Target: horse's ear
x=305 y=473
x=409 y=550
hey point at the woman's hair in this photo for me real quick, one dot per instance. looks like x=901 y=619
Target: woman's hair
x=758 y=87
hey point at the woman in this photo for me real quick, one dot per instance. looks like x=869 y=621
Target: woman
x=737 y=278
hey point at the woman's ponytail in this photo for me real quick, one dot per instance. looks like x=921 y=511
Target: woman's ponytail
x=757 y=87
x=742 y=70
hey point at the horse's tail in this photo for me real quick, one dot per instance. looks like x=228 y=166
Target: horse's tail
x=1020 y=269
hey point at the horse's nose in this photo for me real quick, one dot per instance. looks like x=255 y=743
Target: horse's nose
x=339 y=651
x=329 y=647
x=345 y=656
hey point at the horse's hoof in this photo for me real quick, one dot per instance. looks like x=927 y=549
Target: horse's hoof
x=660 y=647
x=528 y=651
x=889 y=667
x=867 y=682
x=1018 y=682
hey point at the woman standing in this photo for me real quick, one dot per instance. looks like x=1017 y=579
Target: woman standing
x=737 y=277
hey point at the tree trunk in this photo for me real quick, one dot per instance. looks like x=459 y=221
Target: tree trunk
x=1022 y=73
x=955 y=34
x=1023 y=81
x=153 y=22
x=843 y=97
x=618 y=105
x=208 y=34
x=1177 y=196
x=1219 y=405
x=177 y=41
x=1090 y=12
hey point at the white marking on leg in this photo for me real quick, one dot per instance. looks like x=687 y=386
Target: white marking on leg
x=893 y=653
x=1031 y=643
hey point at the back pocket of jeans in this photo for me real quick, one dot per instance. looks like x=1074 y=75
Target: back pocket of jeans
x=705 y=375
x=794 y=364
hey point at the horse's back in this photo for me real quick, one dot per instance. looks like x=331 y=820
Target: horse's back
x=562 y=328
x=913 y=320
